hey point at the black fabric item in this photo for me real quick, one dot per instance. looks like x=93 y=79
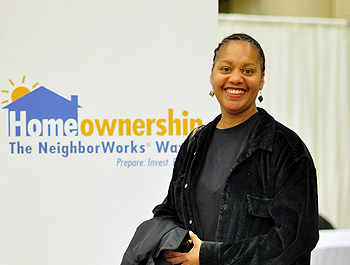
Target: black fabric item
x=269 y=210
x=151 y=238
x=223 y=151
x=324 y=224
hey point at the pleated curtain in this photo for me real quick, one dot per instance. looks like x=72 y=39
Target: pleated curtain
x=307 y=88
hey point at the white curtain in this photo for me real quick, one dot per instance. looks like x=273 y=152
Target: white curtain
x=308 y=89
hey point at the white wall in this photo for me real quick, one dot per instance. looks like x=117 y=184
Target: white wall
x=124 y=60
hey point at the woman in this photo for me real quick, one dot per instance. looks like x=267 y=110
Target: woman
x=244 y=184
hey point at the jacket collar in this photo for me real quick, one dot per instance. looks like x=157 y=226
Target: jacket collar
x=263 y=135
x=262 y=138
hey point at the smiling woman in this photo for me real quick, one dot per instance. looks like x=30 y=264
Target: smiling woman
x=244 y=184
x=236 y=77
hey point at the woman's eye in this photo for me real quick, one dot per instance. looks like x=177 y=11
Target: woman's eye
x=247 y=71
x=225 y=69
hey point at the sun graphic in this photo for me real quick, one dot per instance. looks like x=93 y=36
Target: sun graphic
x=19 y=91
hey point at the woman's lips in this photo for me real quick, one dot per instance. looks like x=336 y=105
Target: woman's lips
x=234 y=92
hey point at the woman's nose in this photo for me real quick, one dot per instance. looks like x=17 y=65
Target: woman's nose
x=236 y=77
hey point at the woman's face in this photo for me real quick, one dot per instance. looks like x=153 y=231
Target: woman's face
x=237 y=78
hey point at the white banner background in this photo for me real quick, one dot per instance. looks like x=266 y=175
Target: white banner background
x=124 y=60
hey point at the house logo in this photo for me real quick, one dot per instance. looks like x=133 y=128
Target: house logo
x=41 y=112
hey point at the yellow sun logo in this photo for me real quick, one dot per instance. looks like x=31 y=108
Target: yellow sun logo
x=19 y=91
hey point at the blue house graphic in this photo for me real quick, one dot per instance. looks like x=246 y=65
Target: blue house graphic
x=44 y=104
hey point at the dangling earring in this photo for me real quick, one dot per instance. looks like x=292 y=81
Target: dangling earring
x=260 y=98
x=211 y=93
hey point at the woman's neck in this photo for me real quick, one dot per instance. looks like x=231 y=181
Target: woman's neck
x=229 y=121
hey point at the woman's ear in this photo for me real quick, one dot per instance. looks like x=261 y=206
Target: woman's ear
x=262 y=81
x=211 y=77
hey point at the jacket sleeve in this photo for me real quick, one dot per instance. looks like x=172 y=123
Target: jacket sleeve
x=294 y=209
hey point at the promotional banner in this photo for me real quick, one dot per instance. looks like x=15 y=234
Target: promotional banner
x=96 y=100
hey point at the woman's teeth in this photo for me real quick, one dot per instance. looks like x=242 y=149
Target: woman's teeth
x=235 y=91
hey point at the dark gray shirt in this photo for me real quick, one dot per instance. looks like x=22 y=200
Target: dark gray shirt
x=224 y=149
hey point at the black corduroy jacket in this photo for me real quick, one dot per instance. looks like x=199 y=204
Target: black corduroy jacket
x=269 y=208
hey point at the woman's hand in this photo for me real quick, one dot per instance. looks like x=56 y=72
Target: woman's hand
x=190 y=258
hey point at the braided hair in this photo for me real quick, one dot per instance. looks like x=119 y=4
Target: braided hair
x=242 y=37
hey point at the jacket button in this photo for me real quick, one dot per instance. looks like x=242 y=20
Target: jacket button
x=186 y=185
x=194 y=153
x=190 y=222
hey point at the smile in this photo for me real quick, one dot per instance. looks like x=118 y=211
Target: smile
x=234 y=91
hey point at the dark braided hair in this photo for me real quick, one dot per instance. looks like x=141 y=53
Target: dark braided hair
x=243 y=37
